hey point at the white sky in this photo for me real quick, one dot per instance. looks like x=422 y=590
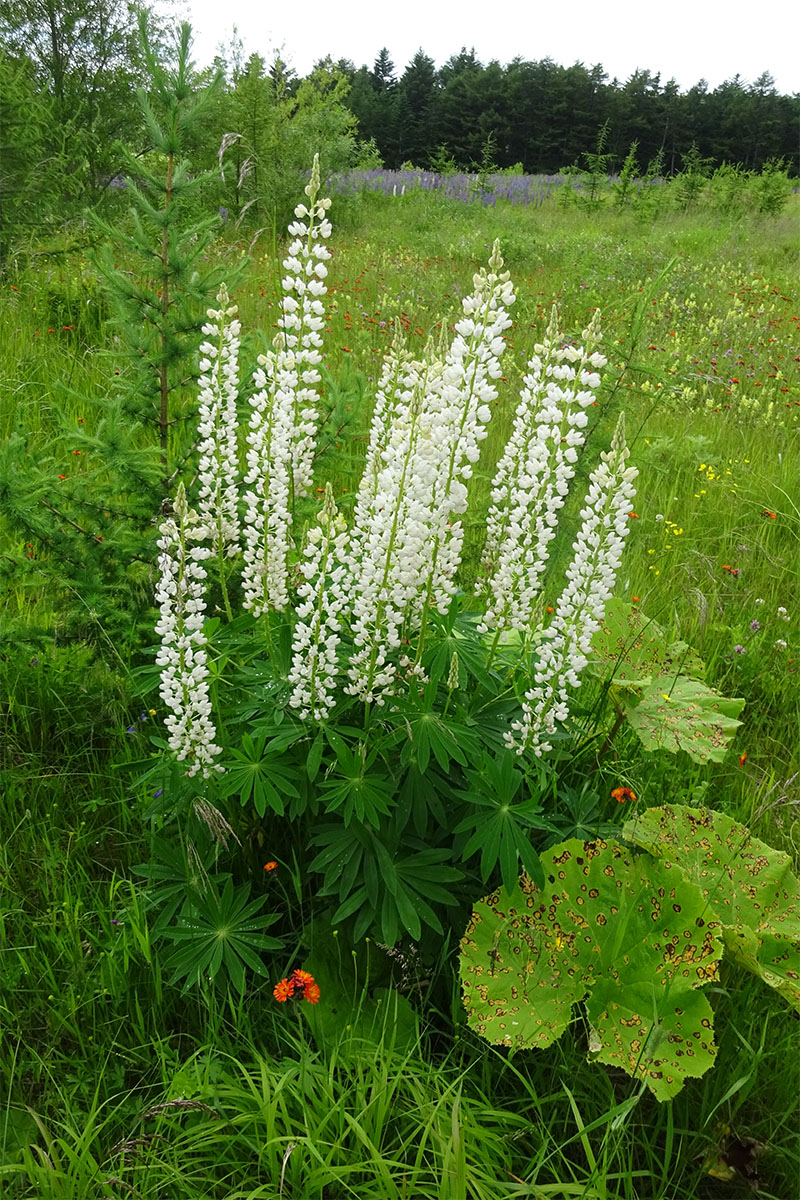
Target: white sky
x=687 y=39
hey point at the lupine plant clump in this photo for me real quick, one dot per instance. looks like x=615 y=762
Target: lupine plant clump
x=412 y=729
x=381 y=578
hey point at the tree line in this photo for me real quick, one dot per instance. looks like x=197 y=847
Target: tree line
x=70 y=116
x=546 y=117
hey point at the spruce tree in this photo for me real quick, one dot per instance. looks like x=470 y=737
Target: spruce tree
x=84 y=518
x=156 y=270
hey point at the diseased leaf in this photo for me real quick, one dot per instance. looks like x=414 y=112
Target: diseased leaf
x=626 y=933
x=628 y=646
x=683 y=660
x=679 y=713
x=748 y=886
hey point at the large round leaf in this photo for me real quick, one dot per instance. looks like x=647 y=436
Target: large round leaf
x=626 y=932
x=748 y=887
x=627 y=646
x=679 y=713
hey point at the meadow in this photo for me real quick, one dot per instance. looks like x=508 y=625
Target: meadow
x=127 y=1072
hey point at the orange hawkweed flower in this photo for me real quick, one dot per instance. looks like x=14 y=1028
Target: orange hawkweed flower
x=283 y=991
x=301 y=979
x=635 y=599
x=270 y=866
x=312 y=993
x=742 y=759
x=621 y=794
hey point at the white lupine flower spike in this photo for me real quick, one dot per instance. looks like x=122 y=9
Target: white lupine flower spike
x=534 y=474
x=183 y=659
x=303 y=319
x=218 y=470
x=282 y=430
x=565 y=647
x=459 y=412
x=322 y=597
x=268 y=512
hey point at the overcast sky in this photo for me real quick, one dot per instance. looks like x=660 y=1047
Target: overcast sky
x=685 y=39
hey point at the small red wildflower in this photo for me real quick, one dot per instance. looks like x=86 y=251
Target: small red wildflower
x=621 y=794
x=550 y=609
x=301 y=985
x=283 y=991
x=634 y=516
x=635 y=599
x=766 y=513
x=270 y=866
x=742 y=759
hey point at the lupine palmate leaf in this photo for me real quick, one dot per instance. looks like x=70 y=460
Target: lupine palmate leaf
x=627 y=933
x=748 y=886
x=679 y=713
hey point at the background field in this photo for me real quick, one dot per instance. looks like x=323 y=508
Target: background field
x=701 y=329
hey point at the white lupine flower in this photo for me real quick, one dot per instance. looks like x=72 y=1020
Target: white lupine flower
x=219 y=458
x=428 y=422
x=180 y=595
x=302 y=322
x=388 y=395
x=268 y=511
x=533 y=476
x=565 y=646
x=456 y=412
x=386 y=551
x=322 y=597
x=282 y=429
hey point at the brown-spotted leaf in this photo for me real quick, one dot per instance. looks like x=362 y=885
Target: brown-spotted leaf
x=628 y=646
x=681 y=659
x=664 y=1044
x=679 y=713
x=749 y=887
x=627 y=933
